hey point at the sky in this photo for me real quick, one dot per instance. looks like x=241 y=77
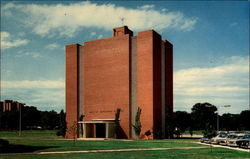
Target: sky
x=211 y=47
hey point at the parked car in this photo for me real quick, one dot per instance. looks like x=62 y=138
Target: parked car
x=205 y=140
x=224 y=141
x=218 y=138
x=243 y=142
x=233 y=142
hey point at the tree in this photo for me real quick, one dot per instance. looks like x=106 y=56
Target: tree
x=137 y=126
x=209 y=132
x=230 y=122
x=169 y=126
x=244 y=119
x=28 y=113
x=181 y=120
x=63 y=125
x=117 y=123
x=9 y=120
x=49 y=119
x=203 y=114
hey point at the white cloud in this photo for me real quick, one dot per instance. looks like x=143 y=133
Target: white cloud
x=33 y=84
x=44 y=94
x=67 y=19
x=22 y=53
x=221 y=85
x=147 y=6
x=43 y=99
x=53 y=46
x=7 y=41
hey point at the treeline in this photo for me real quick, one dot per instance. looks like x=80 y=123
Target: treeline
x=203 y=116
x=31 y=118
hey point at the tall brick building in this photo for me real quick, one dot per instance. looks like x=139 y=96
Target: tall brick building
x=123 y=71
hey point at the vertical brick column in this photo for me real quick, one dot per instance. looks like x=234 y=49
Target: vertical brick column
x=149 y=80
x=145 y=79
x=168 y=83
x=72 y=86
x=157 y=85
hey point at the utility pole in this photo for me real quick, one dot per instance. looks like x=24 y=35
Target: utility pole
x=20 y=117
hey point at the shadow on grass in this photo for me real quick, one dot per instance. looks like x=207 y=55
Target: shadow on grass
x=22 y=148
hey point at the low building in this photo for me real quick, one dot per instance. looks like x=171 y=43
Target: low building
x=10 y=105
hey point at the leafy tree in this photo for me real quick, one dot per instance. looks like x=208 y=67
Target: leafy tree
x=230 y=122
x=244 y=119
x=137 y=126
x=182 y=120
x=62 y=126
x=169 y=125
x=209 y=131
x=28 y=113
x=9 y=120
x=203 y=114
x=49 y=120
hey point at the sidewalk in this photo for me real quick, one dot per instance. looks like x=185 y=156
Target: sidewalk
x=113 y=150
x=227 y=147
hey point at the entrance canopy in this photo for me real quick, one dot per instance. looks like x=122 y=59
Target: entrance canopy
x=97 y=128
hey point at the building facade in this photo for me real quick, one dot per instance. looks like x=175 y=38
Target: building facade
x=125 y=72
x=10 y=105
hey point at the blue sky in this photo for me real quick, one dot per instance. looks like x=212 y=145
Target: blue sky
x=211 y=46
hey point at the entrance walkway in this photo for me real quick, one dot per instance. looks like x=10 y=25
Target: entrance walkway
x=113 y=150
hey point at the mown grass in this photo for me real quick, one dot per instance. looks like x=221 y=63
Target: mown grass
x=44 y=134
x=47 y=141
x=218 y=153
x=70 y=145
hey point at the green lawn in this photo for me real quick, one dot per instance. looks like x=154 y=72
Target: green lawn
x=43 y=134
x=45 y=141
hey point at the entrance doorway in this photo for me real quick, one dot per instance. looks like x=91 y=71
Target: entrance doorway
x=101 y=130
x=98 y=128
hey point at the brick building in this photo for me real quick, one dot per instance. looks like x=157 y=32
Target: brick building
x=123 y=71
x=10 y=105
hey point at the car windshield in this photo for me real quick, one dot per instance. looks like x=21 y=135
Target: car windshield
x=240 y=137
x=222 y=135
x=232 y=136
x=246 y=137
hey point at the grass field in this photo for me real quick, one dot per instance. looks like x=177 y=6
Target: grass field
x=46 y=141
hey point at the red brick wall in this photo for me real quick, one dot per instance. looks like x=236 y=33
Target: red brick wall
x=145 y=78
x=149 y=80
x=157 y=102
x=106 y=80
x=169 y=75
x=71 y=86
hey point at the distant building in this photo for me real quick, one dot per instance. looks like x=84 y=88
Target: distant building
x=10 y=105
x=123 y=71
